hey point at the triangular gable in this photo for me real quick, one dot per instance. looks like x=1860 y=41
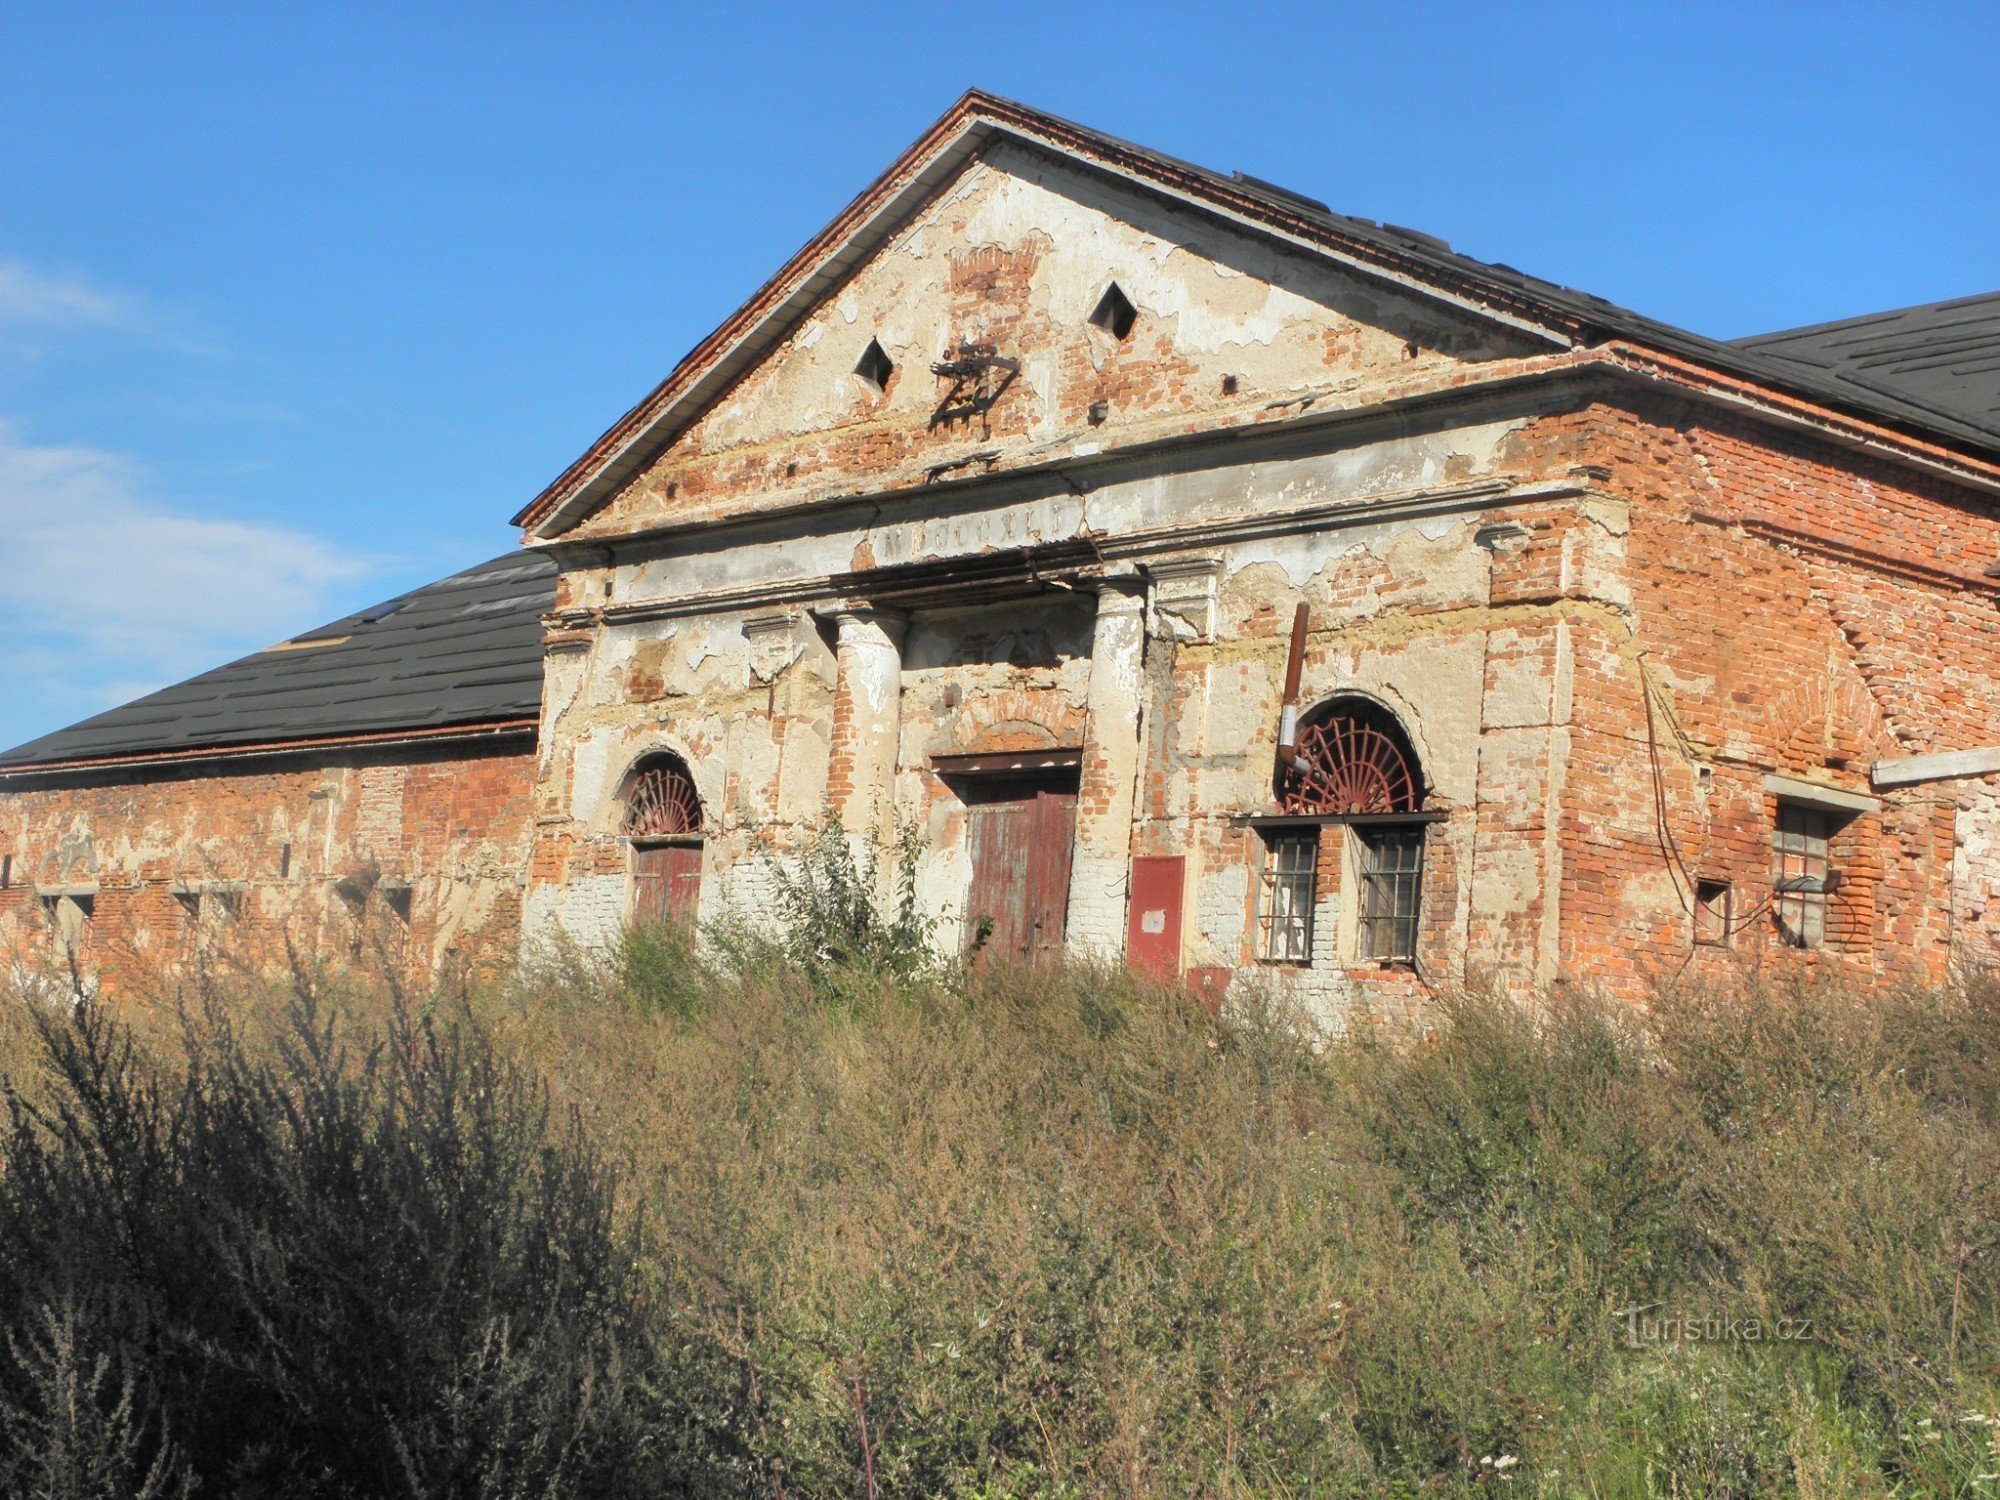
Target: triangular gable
x=974 y=126
x=1033 y=312
x=1627 y=343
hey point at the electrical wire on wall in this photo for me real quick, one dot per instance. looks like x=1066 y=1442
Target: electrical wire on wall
x=1683 y=880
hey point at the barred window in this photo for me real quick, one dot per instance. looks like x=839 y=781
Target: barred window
x=1392 y=875
x=1799 y=872
x=1285 y=898
x=661 y=802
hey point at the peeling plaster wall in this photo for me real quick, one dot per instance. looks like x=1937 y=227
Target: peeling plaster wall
x=1593 y=669
x=1975 y=876
x=1776 y=618
x=1368 y=529
x=451 y=829
x=1604 y=615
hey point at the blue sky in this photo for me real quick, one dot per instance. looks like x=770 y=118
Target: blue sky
x=299 y=303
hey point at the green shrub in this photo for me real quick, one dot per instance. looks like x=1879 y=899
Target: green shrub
x=836 y=920
x=658 y=971
x=313 y=1268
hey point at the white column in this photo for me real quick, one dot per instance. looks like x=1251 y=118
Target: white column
x=1101 y=864
x=867 y=721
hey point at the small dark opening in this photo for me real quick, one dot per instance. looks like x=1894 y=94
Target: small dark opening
x=1712 y=911
x=1115 y=313
x=284 y=861
x=6 y=871
x=190 y=904
x=874 y=366
x=1229 y=385
x=397 y=899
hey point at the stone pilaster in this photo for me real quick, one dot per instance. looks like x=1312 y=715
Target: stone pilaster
x=867 y=721
x=1101 y=864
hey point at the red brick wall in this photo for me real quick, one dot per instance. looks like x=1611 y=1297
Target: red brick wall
x=1800 y=609
x=450 y=827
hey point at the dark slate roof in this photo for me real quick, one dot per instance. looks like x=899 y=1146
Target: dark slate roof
x=1943 y=358
x=1901 y=403
x=464 y=651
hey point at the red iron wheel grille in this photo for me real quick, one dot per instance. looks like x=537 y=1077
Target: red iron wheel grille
x=663 y=804
x=1345 y=766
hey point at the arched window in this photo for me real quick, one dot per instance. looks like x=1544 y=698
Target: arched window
x=1351 y=763
x=663 y=821
x=1351 y=757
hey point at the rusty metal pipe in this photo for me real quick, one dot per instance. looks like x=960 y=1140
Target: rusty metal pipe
x=1288 y=710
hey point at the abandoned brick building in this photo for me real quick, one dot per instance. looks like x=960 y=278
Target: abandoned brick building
x=1204 y=577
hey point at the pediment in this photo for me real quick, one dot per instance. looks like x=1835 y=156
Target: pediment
x=1029 y=307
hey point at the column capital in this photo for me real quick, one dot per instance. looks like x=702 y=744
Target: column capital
x=1120 y=593
x=862 y=621
x=769 y=623
x=1185 y=594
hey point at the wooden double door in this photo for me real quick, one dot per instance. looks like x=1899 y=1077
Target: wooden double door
x=1021 y=829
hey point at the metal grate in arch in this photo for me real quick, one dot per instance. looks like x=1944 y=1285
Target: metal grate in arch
x=662 y=804
x=1351 y=758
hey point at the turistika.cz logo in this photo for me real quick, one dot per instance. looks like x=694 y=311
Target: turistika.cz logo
x=1644 y=1327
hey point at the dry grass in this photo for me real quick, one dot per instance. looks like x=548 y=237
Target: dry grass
x=1055 y=1233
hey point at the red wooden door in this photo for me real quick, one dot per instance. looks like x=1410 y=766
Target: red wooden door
x=666 y=884
x=1021 y=832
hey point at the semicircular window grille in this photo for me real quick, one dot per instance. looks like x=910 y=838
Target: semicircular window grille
x=662 y=803
x=1352 y=757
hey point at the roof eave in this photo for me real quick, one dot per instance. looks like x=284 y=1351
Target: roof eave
x=492 y=729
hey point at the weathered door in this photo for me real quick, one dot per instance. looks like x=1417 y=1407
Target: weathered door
x=1021 y=832
x=666 y=885
x=1153 y=932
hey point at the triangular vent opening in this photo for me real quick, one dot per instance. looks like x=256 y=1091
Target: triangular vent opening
x=1115 y=313
x=874 y=366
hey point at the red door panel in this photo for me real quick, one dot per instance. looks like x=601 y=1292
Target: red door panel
x=1153 y=938
x=666 y=885
x=1020 y=834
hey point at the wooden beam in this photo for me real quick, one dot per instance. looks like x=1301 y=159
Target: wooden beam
x=1905 y=770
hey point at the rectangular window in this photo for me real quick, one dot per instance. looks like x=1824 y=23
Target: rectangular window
x=1714 y=905
x=209 y=905
x=69 y=920
x=1391 y=866
x=1285 y=897
x=1799 y=872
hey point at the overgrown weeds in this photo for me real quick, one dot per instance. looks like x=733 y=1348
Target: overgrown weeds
x=789 y=1222
x=324 y=1260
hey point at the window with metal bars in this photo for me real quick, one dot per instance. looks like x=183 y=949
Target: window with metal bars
x=1285 y=895
x=1391 y=867
x=1800 y=872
